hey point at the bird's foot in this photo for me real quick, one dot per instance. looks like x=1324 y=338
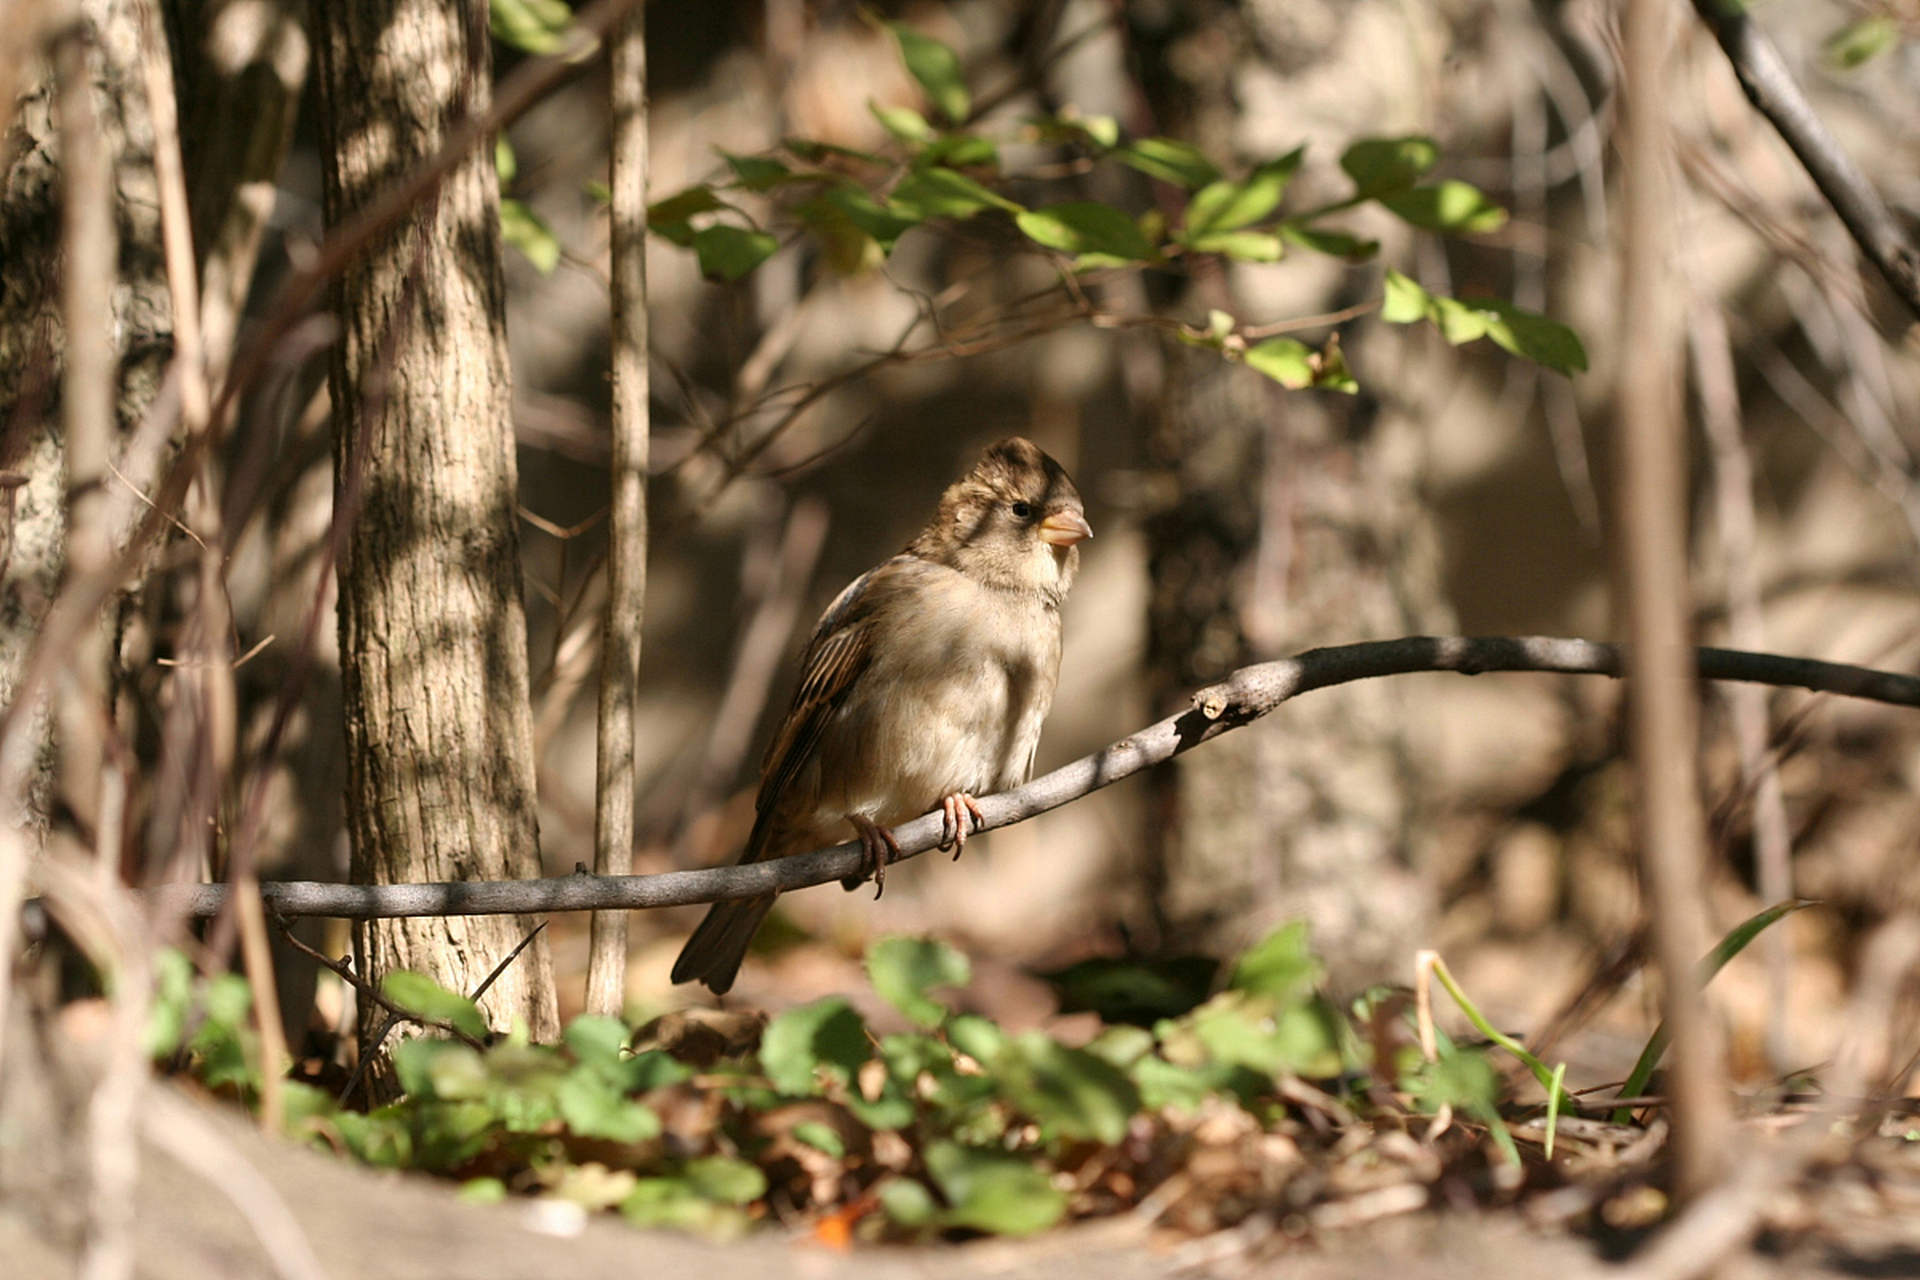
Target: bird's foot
x=957 y=812
x=881 y=848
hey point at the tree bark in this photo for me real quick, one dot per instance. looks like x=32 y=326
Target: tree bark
x=33 y=525
x=1297 y=522
x=440 y=776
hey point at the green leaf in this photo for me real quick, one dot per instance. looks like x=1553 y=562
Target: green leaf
x=726 y=1179
x=537 y=26
x=668 y=218
x=937 y=68
x=303 y=1104
x=1101 y=133
x=993 y=1190
x=1121 y=1046
x=379 y=1138
x=1457 y=208
x=1076 y=1093
x=1168 y=160
x=597 y=1041
x=1333 y=373
x=727 y=253
x=757 y=173
x=827 y=1035
x=1861 y=42
x=521 y=228
x=821 y=1137
x=482 y=1191
x=1337 y=244
x=959 y=151
x=908 y=1202
x=1381 y=165
x=978 y=1038
x=654 y=1069
x=845 y=247
x=883 y=223
x=674 y=1203
x=1246 y=246
x=903 y=970
x=942 y=193
x=1533 y=337
x=172 y=1002
x=1726 y=949
x=1459 y=322
x=504 y=163
x=904 y=123
x=1087 y=227
x=1164 y=1084
x=420 y=994
x=1406 y=302
x=593 y=1108
x=1255 y=1032
x=1285 y=361
x=1229 y=206
x=1280 y=965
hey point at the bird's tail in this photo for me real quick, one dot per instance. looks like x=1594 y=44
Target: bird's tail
x=714 y=952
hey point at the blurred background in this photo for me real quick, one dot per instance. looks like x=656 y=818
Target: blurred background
x=1461 y=490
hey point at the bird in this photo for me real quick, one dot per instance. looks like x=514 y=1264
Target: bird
x=923 y=685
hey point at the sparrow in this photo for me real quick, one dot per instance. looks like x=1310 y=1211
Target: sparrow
x=923 y=685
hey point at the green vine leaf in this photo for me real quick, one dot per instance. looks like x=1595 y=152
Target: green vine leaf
x=1457 y=208
x=1168 y=160
x=937 y=68
x=942 y=193
x=904 y=123
x=728 y=253
x=420 y=994
x=1523 y=333
x=1228 y=206
x=903 y=970
x=535 y=26
x=1089 y=229
x=521 y=228
x=1382 y=165
x=1337 y=244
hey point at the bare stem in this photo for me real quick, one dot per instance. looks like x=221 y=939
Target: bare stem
x=627 y=556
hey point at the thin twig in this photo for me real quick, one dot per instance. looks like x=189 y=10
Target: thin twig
x=1244 y=697
x=1651 y=514
x=1772 y=90
x=627 y=536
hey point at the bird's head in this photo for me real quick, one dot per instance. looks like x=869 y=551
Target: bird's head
x=1015 y=522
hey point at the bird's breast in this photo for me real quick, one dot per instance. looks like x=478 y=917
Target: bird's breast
x=953 y=701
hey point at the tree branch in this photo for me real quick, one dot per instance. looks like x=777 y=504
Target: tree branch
x=1772 y=90
x=1242 y=698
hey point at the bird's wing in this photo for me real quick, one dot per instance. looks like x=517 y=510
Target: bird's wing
x=839 y=650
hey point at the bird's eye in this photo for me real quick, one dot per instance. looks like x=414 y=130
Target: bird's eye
x=1021 y=510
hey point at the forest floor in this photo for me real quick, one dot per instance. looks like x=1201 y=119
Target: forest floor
x=307 y=1215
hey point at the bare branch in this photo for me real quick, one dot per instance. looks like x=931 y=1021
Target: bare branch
x=1652 y=591
x=1242 y=698
x=1773 y=92
x=627 y=538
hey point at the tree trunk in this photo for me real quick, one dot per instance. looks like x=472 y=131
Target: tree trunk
x=440 y=776
x=1297 y=523
x=33 y=526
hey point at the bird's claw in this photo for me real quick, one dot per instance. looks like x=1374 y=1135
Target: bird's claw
x=880 y=848
x=957 y=811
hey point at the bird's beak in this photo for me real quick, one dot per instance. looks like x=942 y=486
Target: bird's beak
x=1064 y=528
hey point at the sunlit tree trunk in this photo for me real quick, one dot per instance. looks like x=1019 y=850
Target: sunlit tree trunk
x=440 y=776
x=1296 y=521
